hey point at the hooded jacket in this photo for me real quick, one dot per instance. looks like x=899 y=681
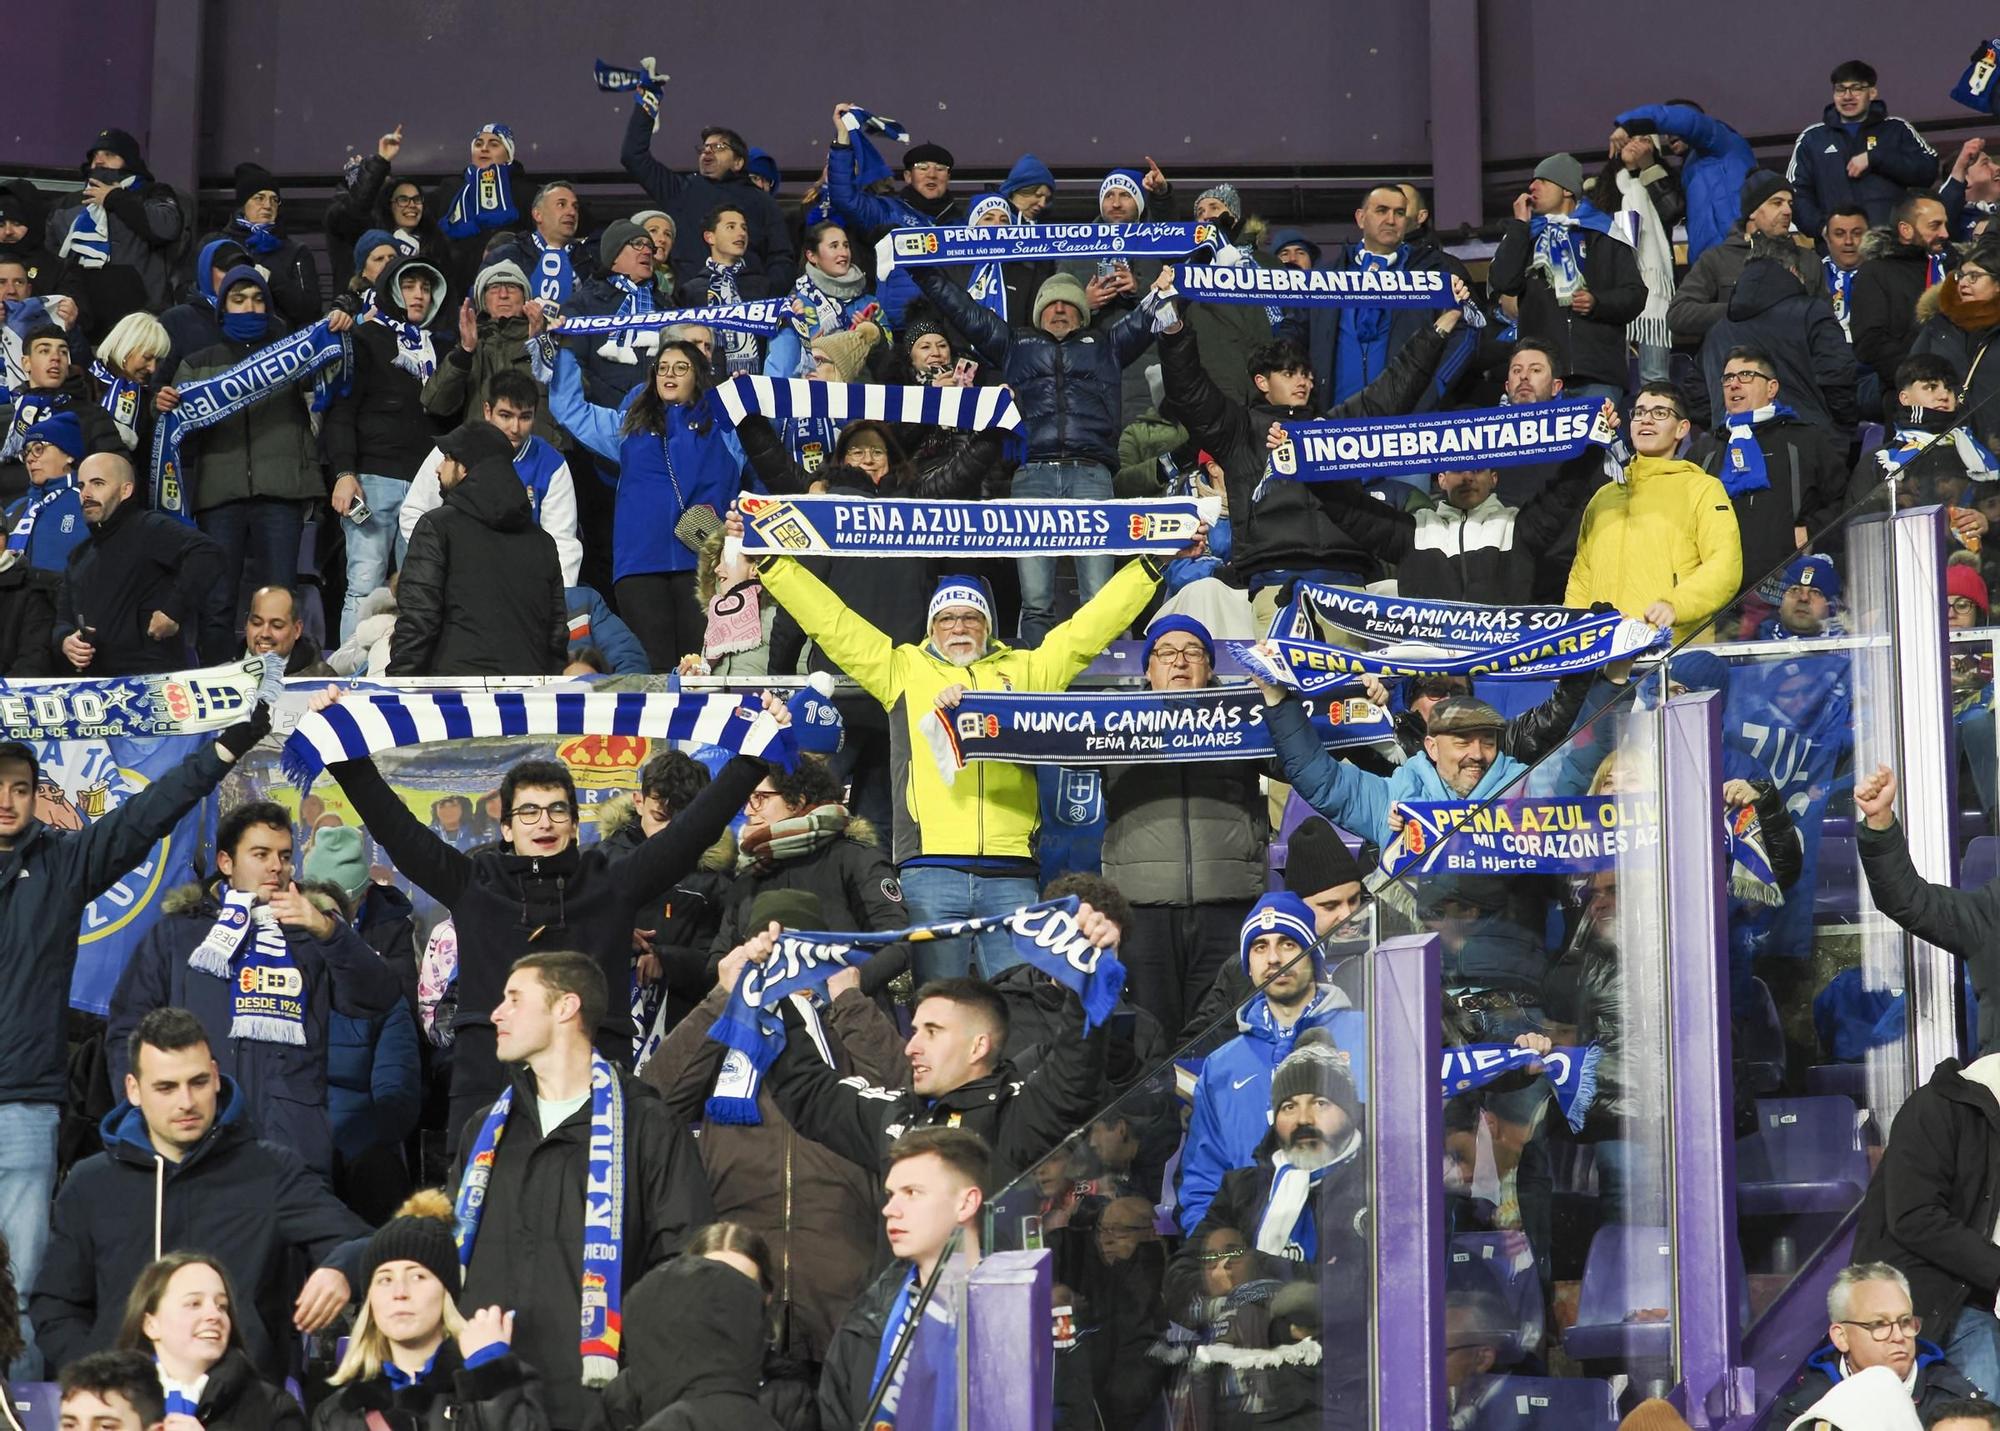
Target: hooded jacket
x=267 y=450
x=529 y=1252
x=1286 y=529
x=816 y=1209
x=252 y=1205
x=1930 y=1208
x=696 y=1352
x=195 y=324
x=1938 y=1382
x=282 y=1087
x=1809 y=351
x=380 y=424
x=1232 y=1097
x=132 y=564
x=1898 y=161
x=1963 y=332
x=481 y=593
x=1591 y=345
x=1702 y=300
x=992 y=809
x=1666 y=533
x=499 y=1395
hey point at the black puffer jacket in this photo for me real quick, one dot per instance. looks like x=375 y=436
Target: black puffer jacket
x=1068 y=388
x=482 y=591
x=380 y=426
x=1287 y=529
x=1883 y=305
x=848 y=1377
x=695 y=1352
x=27 y=616
x=1186 y=833
x=499 y=1395
x=1592 y=345
x=235 y=1398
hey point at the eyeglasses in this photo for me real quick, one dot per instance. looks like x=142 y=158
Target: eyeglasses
x=930 y=168
x=1179 y=655
x=408 y=201
x=1746 y=375
x=1852 y=88
x=1908 y=1325
x=718 y=146
x=1960 y=605
x=1973 y=275
x=965 y=619
x=757 y=799
x=677 y=370
x=1666 y=414
x=556 y=814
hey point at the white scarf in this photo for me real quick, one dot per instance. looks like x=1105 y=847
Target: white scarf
x=1655 y=249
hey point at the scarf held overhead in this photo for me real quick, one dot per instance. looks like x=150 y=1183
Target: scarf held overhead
x=1021 y=243
x=369 y=722
x=759 y=315
x=1046 y=935
x=1131 y=727
x=485 y=201
x=176 y=703
x=1360 y=448
x=786 y=399
x=603 y=1288
x=1571 y=1071
x=1460 y=625
x=267 y=989
x=308 y=353
x=834 y=525
x=1316 y=287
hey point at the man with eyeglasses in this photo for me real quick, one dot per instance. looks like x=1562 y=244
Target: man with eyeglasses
x=537 y=889
x=1857 y=154
x=624 y=284
x=719 y=176
x=1873 y=1325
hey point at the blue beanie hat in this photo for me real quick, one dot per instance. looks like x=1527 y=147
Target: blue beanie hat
x=1027 y=172
x=761 y=163
x=1281 y=913
x=1131 y=181
x=63 y=430
x=989 y=201
x=371 y=241
x=961 y=591
x=1816 y=571
x=1162 y=625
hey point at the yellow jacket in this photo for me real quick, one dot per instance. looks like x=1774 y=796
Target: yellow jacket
x=993 y=808
x=1666 y=533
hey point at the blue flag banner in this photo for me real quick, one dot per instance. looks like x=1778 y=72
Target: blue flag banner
x=1046 y=935
x=760 y=316
x=308 y=353
x=1586 y=644
x=369 y=722
x=1131 y=727
x=1019 y=243
x=833 y=525
x=1975 y=88
x=177 y=703
x=1458 y=625
x=1573 y=834
x=1354 y=449
x=1571 y=1071
x=786 y=399
x=1315 y=287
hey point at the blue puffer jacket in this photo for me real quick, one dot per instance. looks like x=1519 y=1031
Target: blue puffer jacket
x=374 y=1080
x=699 y=464
x=1898 y=160
x=1068 y=388
x=1712 y=175
x=591 y=623
x=1232 y=1098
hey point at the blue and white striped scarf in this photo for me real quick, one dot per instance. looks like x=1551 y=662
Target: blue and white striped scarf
x=121 y=398
x=369 y=722
x=783 y=399
x=89 y=238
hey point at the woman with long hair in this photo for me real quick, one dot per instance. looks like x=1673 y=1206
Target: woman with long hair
x=414 y=1362
x=179 y=1314
x=679 y=468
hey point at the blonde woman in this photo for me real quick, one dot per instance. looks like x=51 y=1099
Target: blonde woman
x=125 y=364
x=413 y=1362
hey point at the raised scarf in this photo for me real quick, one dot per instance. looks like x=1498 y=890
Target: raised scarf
x=267 y=990
x=763 y=846
x=89 y=238
x=555 y=274
x=1743 y=467
x=485 y=201
x=1653 y=242
x=603 y=1289
x=1559 y=248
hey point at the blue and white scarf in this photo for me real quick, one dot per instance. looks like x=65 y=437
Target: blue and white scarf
x=1559 y=249
x=869 y=165
x=603 y=1284
x=23 y=530
x=267 y=989
x=1461 y=625
x=1585 y=644
x=1743 y=467
x=922 y=1381
x=31 y=405
x=1975 y=88
x=121 y=398
x=143 y=706
x=1023 y=243
x=309 y=353
x=369 y=722
x=849 y=526
x=1367 y=286
x=1910 y=443
x=644 y=81
x=741 y=352
x=1839 y=289
x=89 y=238
x=759 y=315
x=1367 y=448
x=485 y=201
x=555 y=273
x=258 y=238
x=416 y=350
x=1570 y=1070
x=1045 y=935
x=787 y=399
x=1131 y=727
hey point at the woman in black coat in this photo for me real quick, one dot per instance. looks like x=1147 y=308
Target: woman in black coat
x=179 y=1314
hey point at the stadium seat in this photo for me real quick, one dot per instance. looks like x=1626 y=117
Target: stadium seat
x=1501 y=1263
x=1806 y=1156
x=1629 y=1271
x=37 y=1405
x=1544 y=1402
x=1847 y=1080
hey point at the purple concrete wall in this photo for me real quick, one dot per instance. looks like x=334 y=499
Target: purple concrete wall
x=73 y=70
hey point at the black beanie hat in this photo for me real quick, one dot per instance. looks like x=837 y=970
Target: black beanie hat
x=252 y=179
x=1758 y=186
x=1317 y=858
x=1315 y=1065
x=423 y=1239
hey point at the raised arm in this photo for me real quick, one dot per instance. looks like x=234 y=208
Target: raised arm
x=984 y=329
x=418 y=854
x=650 y=871
x=636 y=157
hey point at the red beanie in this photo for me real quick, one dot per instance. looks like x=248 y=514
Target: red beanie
x=1962 y=580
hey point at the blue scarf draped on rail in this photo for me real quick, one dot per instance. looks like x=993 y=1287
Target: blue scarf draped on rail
x=1045 y=935
x=835 y=525
x=1022 y=243
x=603 y=1286
x=369 y=722
x=1131 y=727
x=176 y=703
x=308 y=353
x=1354 y=449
